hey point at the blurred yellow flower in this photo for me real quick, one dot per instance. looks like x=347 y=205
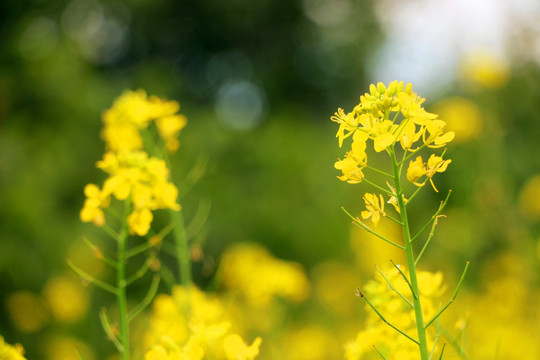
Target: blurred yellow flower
x=135 y=175
x=64 y=347
x=95 y=201
x=463 y=117
x=166 y=349
x=169 y=127
x=11 y=352
x=192 y=325
x=236 y=349
x=510 y=326
x=310 y=342
x=260 y=277
x=375 y=208
x=132 y=172
x=134 y=111
x=371 y=251
x=529 y=198
x=485 y=70
x=27 y=311
x=66 y=298
x=333 y=284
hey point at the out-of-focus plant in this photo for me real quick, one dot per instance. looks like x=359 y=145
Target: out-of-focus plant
x=138 y=131
x=377 y=118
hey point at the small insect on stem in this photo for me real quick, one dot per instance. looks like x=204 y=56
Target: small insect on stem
x=359 y=293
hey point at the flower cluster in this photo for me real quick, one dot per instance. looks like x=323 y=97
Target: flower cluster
x=377 y=118
x=205 y=333
x=388 y=301
x=132 y=112
x=133 y=174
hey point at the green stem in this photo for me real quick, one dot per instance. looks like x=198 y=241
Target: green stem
x=422 y=339
x=379 y=171
x=394 y=288
x=360 y=224
x=121 y=284
x=181 y=239
x=386 y=321
x=387 y=192
x=182 y=248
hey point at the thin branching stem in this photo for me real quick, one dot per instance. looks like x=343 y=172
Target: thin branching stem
x=380 y=188
x=111 y=334
x=419 y=187
x=411 y=154
x=442 y=351
x=441 y=208
x=452 y=299
x=99 y=254
x=437 y=333
x=393 y=219
x=101 y=284
x=386 y=321
x=394 y=288
x=380 y=353
x=379 y=171
x=138 y=274
x=147 y=299
x=430 y=236
x=454 y=343
x=404 y=278
x=361 y=225
x=110 y=231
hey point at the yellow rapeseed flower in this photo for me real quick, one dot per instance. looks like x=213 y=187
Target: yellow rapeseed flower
x=347 y=124
x=375 y=208
x=416 y=170
x=377 y=118
x=355 y=160
x=437 y=138
x=434 y=165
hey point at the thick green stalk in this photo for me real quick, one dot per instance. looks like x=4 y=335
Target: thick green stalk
x=121 y=285
x=424 y=354
x=182 y=248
